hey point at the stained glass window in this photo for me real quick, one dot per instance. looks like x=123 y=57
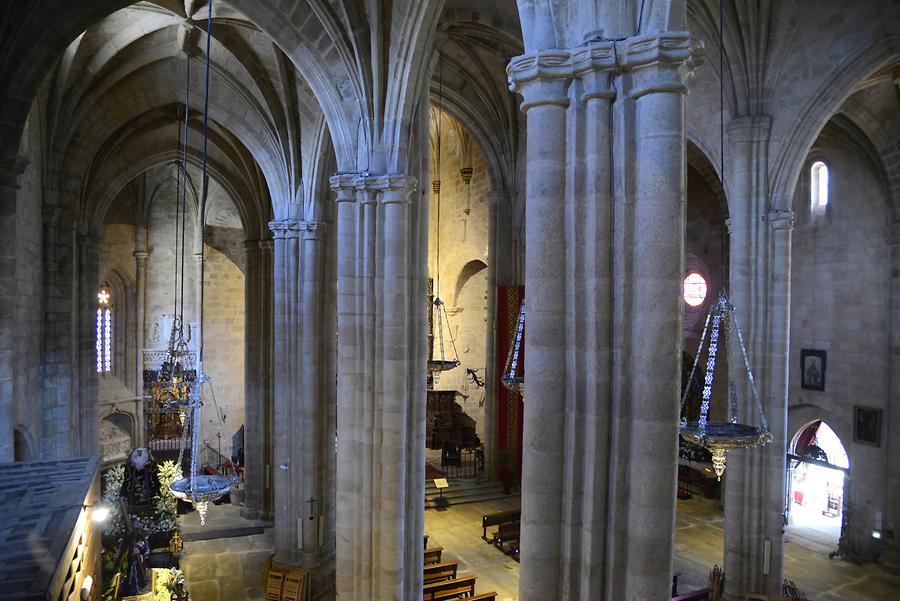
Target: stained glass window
x=104 y=331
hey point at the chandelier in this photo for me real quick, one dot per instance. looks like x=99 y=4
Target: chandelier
x=720 y=437
x=442 y=362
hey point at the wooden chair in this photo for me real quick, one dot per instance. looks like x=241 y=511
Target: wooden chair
x=294 y=588
x=433 y=555
x=274 y=583
x=439 y=572
x=450 y=589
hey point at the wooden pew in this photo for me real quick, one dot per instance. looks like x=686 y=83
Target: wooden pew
x=433 y=555
x=438 y=572
x=507 y=533
x=698 y=595
x=491 y=596
x=495 y=519
x=450 y=589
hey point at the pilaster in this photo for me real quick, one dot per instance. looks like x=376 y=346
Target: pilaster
x=254 y=381
x=10 y=170
x=891 y=531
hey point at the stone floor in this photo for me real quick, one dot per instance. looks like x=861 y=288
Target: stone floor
x=230 y=568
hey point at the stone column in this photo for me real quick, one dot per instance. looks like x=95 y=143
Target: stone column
x=10 y=170
x=543 y=79
x=492 y=354
x=590 y=320
x=140 y=302
x=287 y=448
x=266 y=378
x=891 y=530
x=650 y=372
x=254 y=385
x=313 y=430
x=381 y=377
x=759 y=283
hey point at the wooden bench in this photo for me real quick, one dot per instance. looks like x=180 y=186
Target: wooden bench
x=491 y=596
x=433 y=555
x=698 y=595
x=507 y=534
x=438 y=572
x=450 y=589
x=495 y=519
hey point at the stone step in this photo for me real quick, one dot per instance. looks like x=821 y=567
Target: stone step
x=462 y=491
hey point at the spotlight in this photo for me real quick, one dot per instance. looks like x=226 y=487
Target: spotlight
x=100 y=513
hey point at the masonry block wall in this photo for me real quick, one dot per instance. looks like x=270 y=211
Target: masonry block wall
x=464 y=224
x=223 y=296
x=840 y=304
x=28 y=416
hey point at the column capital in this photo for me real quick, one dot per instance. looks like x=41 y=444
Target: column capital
x=345 y=186
x=141 y=255
x=660 y=62
x=314 y=230
x=267 y=246
x=595 y=65
x=285 y=228
x=750 y=129
x=251 y=247
x=780 y=219
x=542 y=77
x=11 y=167
x=388 y=188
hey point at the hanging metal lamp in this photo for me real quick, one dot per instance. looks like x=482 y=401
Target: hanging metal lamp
x=721 y=437
x=201 y=489
x=442 y=362
x=514 y=372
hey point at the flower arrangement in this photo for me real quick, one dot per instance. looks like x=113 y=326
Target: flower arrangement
x=112 y=490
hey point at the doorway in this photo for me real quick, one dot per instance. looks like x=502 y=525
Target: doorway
x=817 y=474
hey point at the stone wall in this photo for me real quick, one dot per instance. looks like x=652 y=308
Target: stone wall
x=464 y=223
x=840 y=304
x=29 y=303
x=224 y=294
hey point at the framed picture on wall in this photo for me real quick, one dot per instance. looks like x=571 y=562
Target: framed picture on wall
x=812 y=369
x=867 y=425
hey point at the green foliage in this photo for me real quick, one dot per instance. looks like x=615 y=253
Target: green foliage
x=166 y=504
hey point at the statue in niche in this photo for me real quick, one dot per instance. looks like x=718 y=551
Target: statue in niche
x=141 y=482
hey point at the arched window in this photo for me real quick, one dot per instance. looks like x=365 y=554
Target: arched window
x=818 y=186
x=104 y=331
